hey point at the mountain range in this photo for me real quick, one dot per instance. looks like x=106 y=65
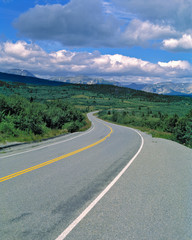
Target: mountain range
x=166 y=88
x=84 y=80
x=7 y=77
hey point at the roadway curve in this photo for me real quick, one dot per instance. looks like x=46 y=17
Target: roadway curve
x=42 y=201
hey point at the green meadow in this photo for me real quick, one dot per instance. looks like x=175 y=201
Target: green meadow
x=162 y=116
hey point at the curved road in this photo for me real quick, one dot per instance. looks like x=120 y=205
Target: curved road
x=41 y=203
x=44 y=188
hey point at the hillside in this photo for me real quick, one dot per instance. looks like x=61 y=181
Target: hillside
x=167 y=88
x=91 y=96
x=28 y=80
x=159 y=114
x=83 y=80
x=20 y=72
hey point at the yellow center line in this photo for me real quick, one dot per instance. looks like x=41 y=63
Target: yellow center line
x=55 y=159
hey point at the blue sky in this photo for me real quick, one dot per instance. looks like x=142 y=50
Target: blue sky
x=122 y=40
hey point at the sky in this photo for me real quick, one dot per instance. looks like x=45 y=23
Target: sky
x=122 y=40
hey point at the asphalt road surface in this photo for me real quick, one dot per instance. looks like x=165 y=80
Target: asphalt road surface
x=45 y=187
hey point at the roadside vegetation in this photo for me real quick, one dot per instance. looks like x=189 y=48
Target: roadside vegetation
x=47 y=111
x=22 y=120
x=99 y=97
x=158 y=124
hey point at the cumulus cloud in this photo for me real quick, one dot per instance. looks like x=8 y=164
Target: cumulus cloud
x=173 y=12
x=169 y=21
x=122 y=65
x=176 y=65
x=177 y=45
x=138 y=32
x=31 y=57
x=78 y=23
x=93 y=24
x=21 y=50
x=177 y=68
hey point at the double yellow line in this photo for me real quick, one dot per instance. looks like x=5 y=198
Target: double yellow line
x=55 y=159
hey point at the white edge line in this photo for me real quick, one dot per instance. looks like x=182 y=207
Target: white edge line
x=100 y=196
x=66 y=140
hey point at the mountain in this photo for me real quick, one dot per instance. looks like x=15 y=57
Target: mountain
x=167 y=88
x=54 y=81
x=84 y=80
x=20 y=72
x=28 y=80
x=134 y=86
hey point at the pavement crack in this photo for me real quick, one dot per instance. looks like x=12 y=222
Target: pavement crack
x=21 y=217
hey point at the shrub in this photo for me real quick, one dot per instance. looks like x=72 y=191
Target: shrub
x=183 y=131
x=8 y=128
x=74 y=127
x=180 y=129
x=19 y=115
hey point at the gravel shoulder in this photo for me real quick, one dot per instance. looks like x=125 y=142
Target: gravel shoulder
x=152 y=200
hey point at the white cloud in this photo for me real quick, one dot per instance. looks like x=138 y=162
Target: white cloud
x=33 y=58
x=182 y=44
x=122 y=65
x=172 y=12
x=184 y=65
x=138 y=32
x=180 y=69
x=78 y=23
x=95 y=23
x=22 y=54
x=21 y=49
x=158 y=20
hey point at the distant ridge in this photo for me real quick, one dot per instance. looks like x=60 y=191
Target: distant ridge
x=28 y=80
x=84 y=80
x=21 y=72
x=166 y=88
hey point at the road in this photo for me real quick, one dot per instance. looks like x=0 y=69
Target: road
x=43 y=188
